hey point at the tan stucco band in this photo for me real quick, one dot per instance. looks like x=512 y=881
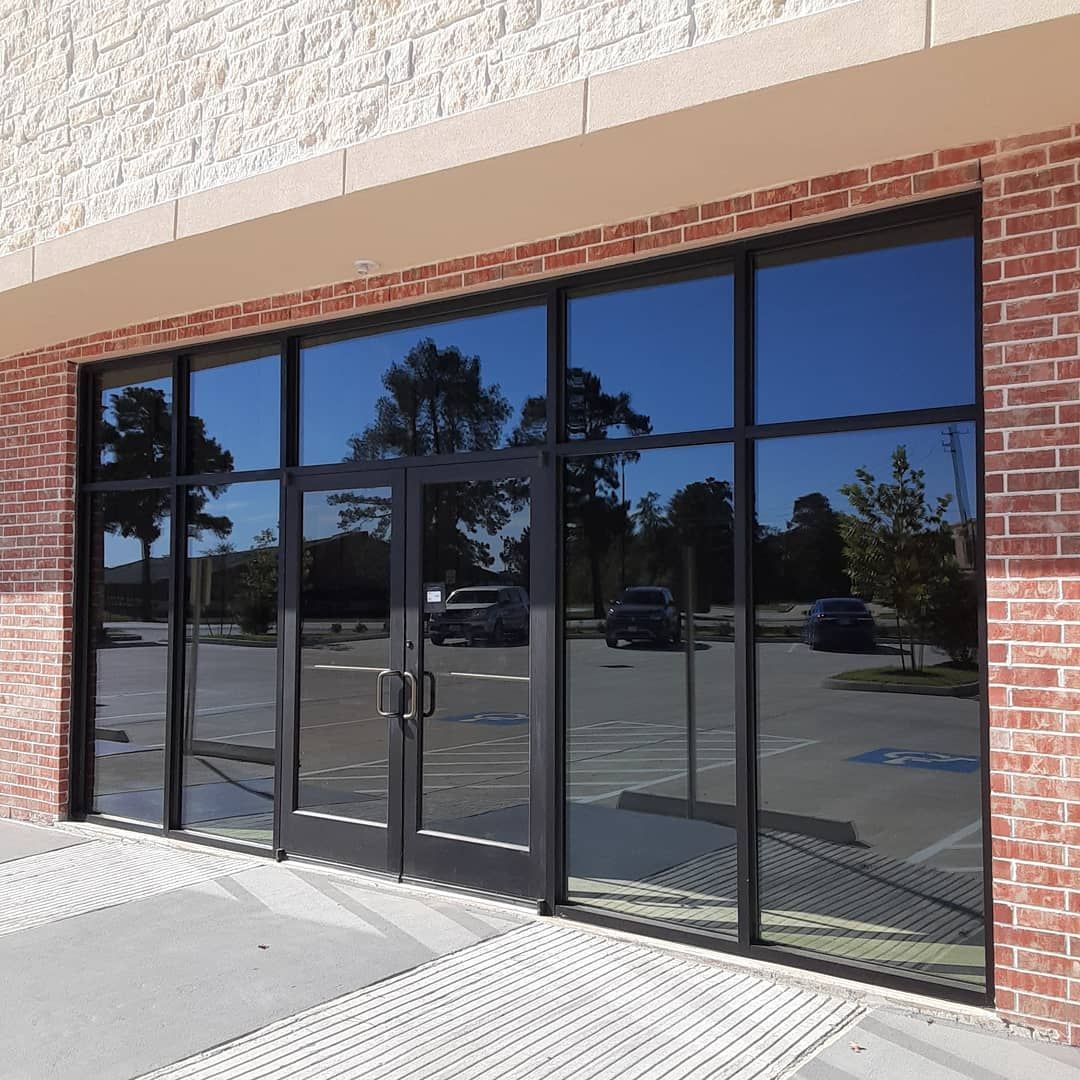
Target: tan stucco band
x=109 y=240
x=546 y=165
x=844 y=37
x=16 y=269
x=283 y=189
x=954 y=20
x=510 y=127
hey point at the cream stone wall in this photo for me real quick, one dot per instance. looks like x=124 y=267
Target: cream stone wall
x=110 y=108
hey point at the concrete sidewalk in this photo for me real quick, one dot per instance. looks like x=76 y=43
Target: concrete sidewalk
x=130 y=956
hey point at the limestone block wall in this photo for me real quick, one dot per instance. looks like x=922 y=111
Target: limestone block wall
x=108 y=108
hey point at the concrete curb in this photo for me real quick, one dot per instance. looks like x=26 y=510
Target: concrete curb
x=961 y=690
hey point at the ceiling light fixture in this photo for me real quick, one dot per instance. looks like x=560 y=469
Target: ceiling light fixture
x=365 y=267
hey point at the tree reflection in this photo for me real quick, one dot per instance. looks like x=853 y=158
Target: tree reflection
x=897 y=545
x=596 y=509
x=893 y=547
x=703 y=519
x=436 y=403
x=656 y=543
x=136 y=440
x=804 y=561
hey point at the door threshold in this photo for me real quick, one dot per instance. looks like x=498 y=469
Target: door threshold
x=383 y=880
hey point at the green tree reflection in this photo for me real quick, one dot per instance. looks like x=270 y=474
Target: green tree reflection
x=897 y=545
x=135 y=438
x=435 y=403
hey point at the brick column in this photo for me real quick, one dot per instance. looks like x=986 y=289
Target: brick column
x=37 y=475
x=1032 y=375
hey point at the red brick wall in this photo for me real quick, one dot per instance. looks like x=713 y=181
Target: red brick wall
x=37 y=472
x=1032 y=377
x=1031 y=328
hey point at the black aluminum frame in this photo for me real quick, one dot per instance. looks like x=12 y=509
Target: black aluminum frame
x=735 y=257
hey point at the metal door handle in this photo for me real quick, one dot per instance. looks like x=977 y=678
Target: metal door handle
x=414 y=698
x=380 y=681
x=429 y=705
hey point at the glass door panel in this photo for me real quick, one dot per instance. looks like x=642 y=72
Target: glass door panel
x=344 y=644
x=470 y=751
x=475 y=656
x=348 y=690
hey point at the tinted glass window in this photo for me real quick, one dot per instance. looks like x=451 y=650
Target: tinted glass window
x=133 y=423
x=869 y=325
x=868 y=711
x=235 y=412
x=452 y=387
x=127 y=655
x=231 y=664
x=650 y=359
x=650 y=691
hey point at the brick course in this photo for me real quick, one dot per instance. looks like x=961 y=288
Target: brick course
x=1031 y=365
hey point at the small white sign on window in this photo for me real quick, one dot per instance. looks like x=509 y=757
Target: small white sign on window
x=434 y=596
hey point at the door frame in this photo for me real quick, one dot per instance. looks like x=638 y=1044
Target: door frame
x=400 y=849
x=325 y=836
x=487 y=866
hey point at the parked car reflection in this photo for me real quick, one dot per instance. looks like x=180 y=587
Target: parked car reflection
x=840 y=623
x=483 y=613
x=644 y=613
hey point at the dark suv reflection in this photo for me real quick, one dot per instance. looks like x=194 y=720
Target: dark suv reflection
x=483 y=613
x=840 y=622
x=644 y=613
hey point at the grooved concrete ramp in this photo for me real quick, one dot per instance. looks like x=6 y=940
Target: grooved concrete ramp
x=543 y=1002
x=71 y=881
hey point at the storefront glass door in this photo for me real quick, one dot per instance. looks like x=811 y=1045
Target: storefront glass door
x=409 y=721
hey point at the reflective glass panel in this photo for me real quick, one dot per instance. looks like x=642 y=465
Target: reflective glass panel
x=132 y=436
x=868 y=699
x=872 y=324
x=477 y=383
x=475 y=660
x=230 y=667
x=345 y=642
x=235 y=407
x=127 y=654
x=650 y=359
x=649 y=630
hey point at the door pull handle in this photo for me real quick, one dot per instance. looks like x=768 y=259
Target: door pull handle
x=380 y=682
x=414 y=698
x=429 y=705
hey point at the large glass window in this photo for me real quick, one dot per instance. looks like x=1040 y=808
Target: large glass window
x=230 y=666
x=669 y=345
x=868 y=729
x=649 y=632
x=470 y=384
x=132 y=418
x=127 y=653
x=867 y=687
x=874 y=324
x=234 y=412
x=769 y=596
